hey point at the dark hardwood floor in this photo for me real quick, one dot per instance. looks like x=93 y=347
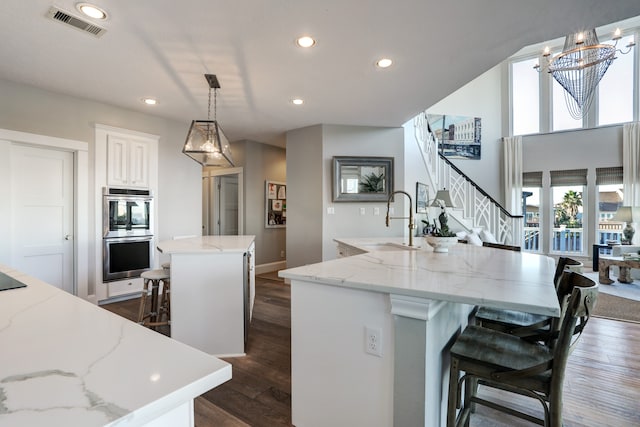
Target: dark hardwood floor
x=602 y=387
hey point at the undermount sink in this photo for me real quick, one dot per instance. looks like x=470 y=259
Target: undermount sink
x=390 y=246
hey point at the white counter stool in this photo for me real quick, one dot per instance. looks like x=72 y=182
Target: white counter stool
x=160 y=303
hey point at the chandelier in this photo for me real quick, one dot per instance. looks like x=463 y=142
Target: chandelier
x=580 y=67
x=206 y=143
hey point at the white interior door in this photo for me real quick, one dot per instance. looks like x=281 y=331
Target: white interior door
x=42 y=214
x=227 y=212
x=222 y=206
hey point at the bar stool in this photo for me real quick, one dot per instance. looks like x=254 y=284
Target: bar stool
x=160 y=304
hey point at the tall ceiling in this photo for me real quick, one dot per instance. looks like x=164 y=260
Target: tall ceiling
x=162 y=49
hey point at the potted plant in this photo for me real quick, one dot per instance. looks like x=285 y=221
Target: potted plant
x=441 y=238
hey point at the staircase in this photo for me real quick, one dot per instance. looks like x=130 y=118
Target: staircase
x=474 y=207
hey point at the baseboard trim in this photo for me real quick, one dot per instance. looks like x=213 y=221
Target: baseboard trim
x=271 y=266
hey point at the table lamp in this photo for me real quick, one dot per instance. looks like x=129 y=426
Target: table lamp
x=627 y=214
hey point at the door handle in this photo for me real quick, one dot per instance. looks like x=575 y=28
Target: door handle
x=67 y=237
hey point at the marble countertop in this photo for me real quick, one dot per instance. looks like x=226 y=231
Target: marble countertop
x=206 y=244
x=467 y=274
x=67 y=362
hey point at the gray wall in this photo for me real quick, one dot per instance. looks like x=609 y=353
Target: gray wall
x=310 y=230
x=305 y=203
x=261 y=162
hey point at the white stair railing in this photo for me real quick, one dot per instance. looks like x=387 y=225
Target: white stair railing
x=470 y=200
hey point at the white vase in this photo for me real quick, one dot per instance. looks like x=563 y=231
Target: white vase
x=441 y=244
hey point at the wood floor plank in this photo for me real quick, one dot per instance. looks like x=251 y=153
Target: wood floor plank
x=602 y=386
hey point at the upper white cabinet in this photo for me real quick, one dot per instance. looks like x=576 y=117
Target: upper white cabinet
x=127 y=161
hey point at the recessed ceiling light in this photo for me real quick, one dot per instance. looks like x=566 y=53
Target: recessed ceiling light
x=297 y=101
x=150 y=101
x=92 y=11
x=384 y=63
x=305 y=41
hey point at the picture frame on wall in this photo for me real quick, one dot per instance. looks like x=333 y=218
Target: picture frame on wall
x=362 y=179
x=275 y=204
x=422 y=197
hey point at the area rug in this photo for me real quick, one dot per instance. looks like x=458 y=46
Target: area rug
x=617 y=308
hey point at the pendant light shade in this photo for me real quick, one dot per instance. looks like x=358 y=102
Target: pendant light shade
x=206 y=143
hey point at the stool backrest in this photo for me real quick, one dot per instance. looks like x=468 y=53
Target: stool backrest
x=502 y=246
x=563 y=263
x=576 y=312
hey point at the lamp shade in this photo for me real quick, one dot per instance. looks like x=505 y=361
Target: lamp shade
x=207 y=144
x=445 y=197
x=627 y=214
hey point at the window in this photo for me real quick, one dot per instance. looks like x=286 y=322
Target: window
x=610 y=198
x=615 y=97
x=531 y=188
x=562 y=119
x=534 y=110
x=525 y=91
x=567 y=191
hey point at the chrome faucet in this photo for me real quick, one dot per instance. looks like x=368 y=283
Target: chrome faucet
x=412 y=225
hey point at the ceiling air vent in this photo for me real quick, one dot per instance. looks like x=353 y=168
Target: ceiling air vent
x=75 y=22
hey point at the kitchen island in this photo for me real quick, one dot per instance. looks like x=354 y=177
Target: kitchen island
x=404 y=305
x=67 y=362
x=212 y=292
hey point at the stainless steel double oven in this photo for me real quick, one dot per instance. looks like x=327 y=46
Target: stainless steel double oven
x=127 y=224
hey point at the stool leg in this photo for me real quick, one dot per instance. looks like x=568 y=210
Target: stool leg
x=166 y=299
x=154 y=301
x=143 y=301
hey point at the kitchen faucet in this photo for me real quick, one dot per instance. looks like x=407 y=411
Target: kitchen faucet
x=412 y=225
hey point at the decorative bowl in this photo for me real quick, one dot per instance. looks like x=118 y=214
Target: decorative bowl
x=441 y=244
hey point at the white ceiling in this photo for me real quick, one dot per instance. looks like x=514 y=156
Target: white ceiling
x=162 y=49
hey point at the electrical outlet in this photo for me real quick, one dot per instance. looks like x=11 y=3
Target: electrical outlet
x=376 y=211
x=373 y=341
x=362 y=211
x=281 y=254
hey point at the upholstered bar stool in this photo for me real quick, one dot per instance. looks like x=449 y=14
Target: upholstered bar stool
x=160 y=305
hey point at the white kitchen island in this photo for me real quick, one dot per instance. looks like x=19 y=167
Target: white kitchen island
x=415 y=301
x=212 y=291
x=66 y=362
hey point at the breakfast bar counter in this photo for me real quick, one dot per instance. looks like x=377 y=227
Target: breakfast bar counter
x=371 y=332
x=67 y=362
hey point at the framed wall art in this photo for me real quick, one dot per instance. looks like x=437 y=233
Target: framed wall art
x=458 y=137
x=422 y=197
x=362 y=179
x=275 y=204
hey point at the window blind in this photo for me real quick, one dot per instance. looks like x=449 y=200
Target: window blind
x=532 y=179
x=569 y=177
x=611 y=175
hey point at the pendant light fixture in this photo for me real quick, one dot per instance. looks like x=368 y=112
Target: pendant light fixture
x=580 y=67
x=206 y=143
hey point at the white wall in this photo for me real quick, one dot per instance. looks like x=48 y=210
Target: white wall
x=482 y=98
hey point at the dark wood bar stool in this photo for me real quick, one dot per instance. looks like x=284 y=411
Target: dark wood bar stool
x=506 y=362
x=522 y=324
x=159 y=313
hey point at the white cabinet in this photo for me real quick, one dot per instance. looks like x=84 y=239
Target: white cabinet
x=125 y=287
x=212 y=292
x=127 y=162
